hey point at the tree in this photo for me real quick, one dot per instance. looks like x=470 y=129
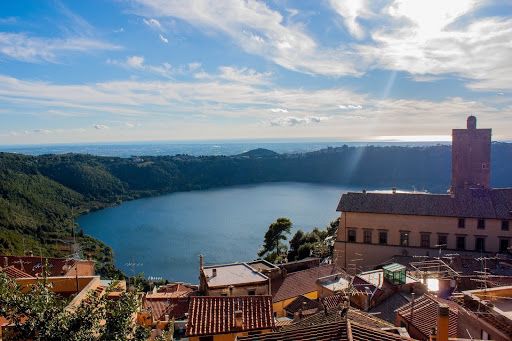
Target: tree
x=272 y=247
x=295 y=244
x=40 y=314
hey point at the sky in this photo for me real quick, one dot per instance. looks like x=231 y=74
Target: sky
x=148 y=70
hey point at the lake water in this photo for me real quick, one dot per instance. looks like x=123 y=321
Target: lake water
x=164 y=235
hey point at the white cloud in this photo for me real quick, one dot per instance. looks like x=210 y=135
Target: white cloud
x=119 y=30
x=100 y=126
x=22 y=47
x=259 y=30
x=293 y=120
x=163 y=39
x=42 y=131
x=153 y=23
x=350 y=106
x=243 y=75
x=276 y=110
x=350 y=11
x=138 y=63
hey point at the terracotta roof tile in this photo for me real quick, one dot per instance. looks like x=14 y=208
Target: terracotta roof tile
x=301 y=303
x=175 y=307
x=210 y=315
x=12 y=272
x=491 y=204
x=34 y=265
x=425 y=311
x=298 y=283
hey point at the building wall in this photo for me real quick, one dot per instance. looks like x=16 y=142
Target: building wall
x=470 y=325
x=414 y=226
x=414 y=332
x=278 y=307
x=228 y=337
x=261 y=289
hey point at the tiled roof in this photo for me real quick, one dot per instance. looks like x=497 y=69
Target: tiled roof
x=386 y=309
x=176 y=287
x=232 y=274
x=334 y=301
x=210 y=315
x=425 y=311
x=343 y=330
x=491 y=204
x=298 y=283
x=34 y=265
x=12 y=272
x=301 y=303
x=173 y=307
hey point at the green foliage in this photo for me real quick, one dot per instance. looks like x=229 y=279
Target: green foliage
x=40 y=314
x=314 y=243
x=272 y=247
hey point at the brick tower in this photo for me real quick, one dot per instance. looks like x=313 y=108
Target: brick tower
x=471 y=157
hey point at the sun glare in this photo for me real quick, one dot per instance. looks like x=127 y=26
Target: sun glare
x=433 y=284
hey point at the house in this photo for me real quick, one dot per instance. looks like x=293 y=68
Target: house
x=225 y=318
x=301 y=306
x=287 y=287
x=486 y=313
x=333 y=325
x=236 y=279
x=34 y=265
x=421 y=315
x=471 y=219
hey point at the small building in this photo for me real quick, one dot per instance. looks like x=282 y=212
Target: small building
x=287 y=287
x=236 y=279
x=487 y=314
x=225 y=318
x=301 y=306
x=34 y=266
x=395 y=273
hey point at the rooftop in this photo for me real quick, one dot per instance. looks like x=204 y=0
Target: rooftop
x=34 y=265
x=210 y=315
x=172 y=307
x=299 y=283
x=473 y=203
x=232 y=274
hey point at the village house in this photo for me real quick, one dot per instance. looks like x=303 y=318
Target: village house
x=471 y=219
x=236 y=279
x=33 y=266
x=218 y=318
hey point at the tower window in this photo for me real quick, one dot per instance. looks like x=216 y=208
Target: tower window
x=481 y=224
x=462 y=223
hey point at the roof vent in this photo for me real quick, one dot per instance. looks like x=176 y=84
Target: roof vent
x=393 y=190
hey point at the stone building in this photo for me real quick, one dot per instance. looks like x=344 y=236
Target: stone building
x=472 y=218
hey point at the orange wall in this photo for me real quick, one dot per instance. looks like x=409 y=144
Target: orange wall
x=278 y=307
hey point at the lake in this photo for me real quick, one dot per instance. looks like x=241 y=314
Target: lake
x=164 y=235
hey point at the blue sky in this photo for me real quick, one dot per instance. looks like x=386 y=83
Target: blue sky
x=134 y=70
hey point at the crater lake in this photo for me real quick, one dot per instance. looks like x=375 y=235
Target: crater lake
x=163 y=236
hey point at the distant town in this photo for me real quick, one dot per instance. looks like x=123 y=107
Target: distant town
x=400 y=266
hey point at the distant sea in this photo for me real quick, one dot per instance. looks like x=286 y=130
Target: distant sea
x=192 y=148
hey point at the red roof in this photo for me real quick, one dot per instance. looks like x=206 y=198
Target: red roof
x=33 y=265
x=210 y=315
x=175 y=307
x=299 y=283
x=425 y=311
x=12 y=272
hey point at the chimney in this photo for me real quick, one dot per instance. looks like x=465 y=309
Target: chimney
x=443 y=323
x=214 y=272
x=6 y=262
x=364 y=191
x=393 y=190
x=239 y=320
x=201 y=262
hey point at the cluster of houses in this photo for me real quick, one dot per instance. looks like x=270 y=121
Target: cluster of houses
x=405 y=266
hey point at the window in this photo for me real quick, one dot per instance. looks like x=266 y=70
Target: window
x=461 y=243
x=504 y=245
x=352 y=236
x=462 y=223
x=367 y=234
x=404 y=238
x=383 y=237
x=479 y=244
x=481 y=224
x=223 y=294
x=505 y=224
x=442 y=240
x=206 y=338
x=251 y=292
x=425 y=240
